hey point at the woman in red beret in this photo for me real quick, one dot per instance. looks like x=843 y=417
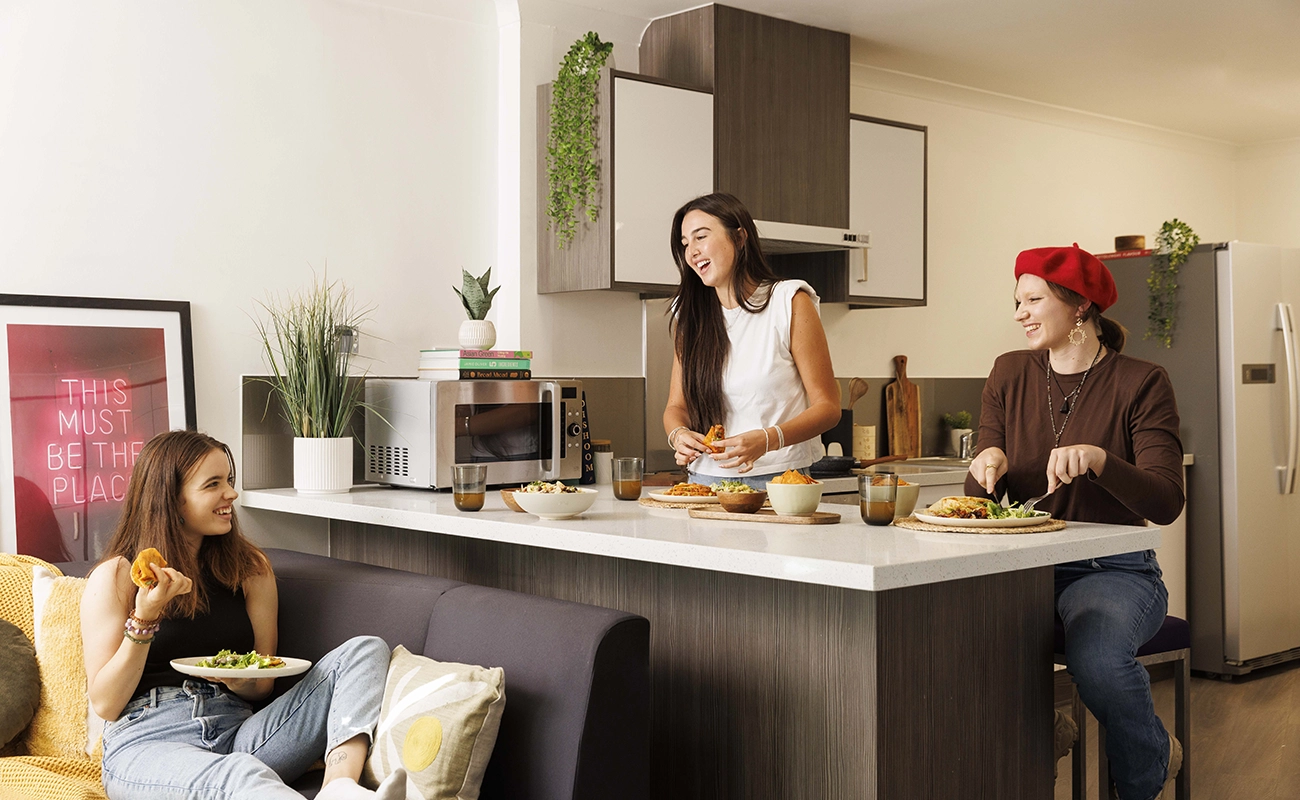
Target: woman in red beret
x=1098 y=430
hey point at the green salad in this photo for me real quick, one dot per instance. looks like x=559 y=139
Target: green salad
x=229 y=659
x=732 y=487
x=1013 y=511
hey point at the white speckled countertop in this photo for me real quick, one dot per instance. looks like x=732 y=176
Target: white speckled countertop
x=851 y=554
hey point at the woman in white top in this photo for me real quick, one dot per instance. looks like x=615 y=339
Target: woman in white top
x=749 y=352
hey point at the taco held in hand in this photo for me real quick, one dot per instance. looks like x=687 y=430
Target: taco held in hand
x=141 y=573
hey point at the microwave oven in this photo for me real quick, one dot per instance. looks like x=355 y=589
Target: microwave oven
x=522 y=430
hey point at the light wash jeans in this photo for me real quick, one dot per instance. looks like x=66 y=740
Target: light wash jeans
x=199 y=741
x=758 y=482
x=1111 y=606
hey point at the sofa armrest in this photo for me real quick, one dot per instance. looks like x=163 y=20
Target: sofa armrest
x=576 y=722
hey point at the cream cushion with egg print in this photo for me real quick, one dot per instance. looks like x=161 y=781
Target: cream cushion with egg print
x=439 y=721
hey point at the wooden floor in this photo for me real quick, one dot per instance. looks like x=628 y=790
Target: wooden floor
x=1245 y=736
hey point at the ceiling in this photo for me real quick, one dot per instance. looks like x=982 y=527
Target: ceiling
x=1226 y=70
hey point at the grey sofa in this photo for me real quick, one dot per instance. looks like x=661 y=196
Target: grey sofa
x=576 y=721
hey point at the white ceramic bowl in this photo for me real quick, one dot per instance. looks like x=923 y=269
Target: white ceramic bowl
x=905 y=500
x=556 y=506
x=797 y=499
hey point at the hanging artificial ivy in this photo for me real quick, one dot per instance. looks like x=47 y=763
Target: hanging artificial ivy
x=1174 y=244
x=572 y=170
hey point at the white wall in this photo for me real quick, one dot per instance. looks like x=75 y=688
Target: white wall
x=594 y=334
x=1269 y=190
x=218 y=152
x=1006 y=175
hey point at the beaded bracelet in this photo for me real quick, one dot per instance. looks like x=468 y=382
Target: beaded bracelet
x=137 y=626
x=127 y=635
x=780 y=437
x=767 y=442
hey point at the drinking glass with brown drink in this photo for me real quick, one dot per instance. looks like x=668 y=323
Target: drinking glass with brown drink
x=877 y=495
x=628 y=472
x=468 y=486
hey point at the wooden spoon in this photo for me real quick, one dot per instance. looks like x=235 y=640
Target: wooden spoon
x=867 y=462
x=857 y=390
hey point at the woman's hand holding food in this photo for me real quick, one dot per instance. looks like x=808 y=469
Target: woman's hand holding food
x=1067 y=463
x=151 y=600
x=742 y=450
x=687 y=446
x=988 y=467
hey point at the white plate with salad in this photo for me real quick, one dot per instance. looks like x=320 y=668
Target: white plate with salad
x=229 y=664
x=1034 y=518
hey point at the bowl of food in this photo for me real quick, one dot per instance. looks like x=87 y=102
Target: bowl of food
x=554 y=500
x=739 y=497
x=905 y=500
x=794 y=493
x=508 y=497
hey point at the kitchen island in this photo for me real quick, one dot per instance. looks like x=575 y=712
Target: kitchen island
x=819 y=661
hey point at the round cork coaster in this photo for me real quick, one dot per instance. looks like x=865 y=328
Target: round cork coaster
x=914 y=524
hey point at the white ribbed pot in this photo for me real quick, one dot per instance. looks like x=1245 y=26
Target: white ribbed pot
x=477 y=334
x=322 y=466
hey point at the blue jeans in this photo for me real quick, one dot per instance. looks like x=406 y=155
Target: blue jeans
x=1111 y=606
x=200 y=741
x=758 y=482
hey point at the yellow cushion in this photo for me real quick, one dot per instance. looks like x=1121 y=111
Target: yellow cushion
x=438 y=720
x=63 y=725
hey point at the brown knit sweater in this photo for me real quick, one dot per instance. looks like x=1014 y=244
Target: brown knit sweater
x=1126 y=407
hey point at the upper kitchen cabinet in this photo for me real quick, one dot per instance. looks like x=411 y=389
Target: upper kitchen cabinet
x=781 y=107
x=655 y=145
x=887 y=196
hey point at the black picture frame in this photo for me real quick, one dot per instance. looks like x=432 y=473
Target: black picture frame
x=67 y=510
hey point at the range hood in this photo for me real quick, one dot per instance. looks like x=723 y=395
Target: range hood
x=780 y=238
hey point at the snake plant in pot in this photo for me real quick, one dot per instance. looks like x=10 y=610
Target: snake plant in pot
x=307 y=344
x=477 y=332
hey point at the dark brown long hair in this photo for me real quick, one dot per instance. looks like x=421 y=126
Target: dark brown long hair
x=699 y=330
x=1113 y=334
x=151 y=517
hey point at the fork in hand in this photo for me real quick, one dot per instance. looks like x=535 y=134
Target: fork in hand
x=1027 y=507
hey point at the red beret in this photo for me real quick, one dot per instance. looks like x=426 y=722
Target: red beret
x=1075 y=269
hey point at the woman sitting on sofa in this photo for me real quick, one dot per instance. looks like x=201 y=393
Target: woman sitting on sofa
x=169 y=735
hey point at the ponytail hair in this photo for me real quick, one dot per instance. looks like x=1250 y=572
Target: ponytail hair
x=1112 y=334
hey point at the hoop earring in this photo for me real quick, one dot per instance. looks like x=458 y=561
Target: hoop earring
x=1077 y=334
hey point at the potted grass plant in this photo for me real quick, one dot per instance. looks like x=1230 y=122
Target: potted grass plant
x=307 y=344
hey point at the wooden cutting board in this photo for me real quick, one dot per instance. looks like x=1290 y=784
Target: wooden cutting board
x=767 y=515
x=903 y=413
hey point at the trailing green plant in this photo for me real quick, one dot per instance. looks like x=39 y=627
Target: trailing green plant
x=572 y=170
x=958 y=421
x=1174 y=243
x=307 y=344
x=474 y=294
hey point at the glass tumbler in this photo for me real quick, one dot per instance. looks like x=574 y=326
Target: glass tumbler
x=628 y=472
x=877 y=497
x=468 y=485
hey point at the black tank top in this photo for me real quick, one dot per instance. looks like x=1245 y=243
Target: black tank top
x=224 y=627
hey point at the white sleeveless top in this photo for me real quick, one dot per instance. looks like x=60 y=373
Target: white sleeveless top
x=760 y=383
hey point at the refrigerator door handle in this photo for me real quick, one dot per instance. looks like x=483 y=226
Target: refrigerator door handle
x=1284 y=322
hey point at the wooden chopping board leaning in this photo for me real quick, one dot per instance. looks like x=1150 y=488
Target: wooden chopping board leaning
x=903 y=413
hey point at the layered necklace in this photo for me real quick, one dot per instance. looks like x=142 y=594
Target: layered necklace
x=1071 y=400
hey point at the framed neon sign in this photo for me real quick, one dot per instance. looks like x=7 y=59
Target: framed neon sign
x=84 y=383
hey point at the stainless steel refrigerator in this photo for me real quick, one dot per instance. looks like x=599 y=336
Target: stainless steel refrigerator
x=1234 y=368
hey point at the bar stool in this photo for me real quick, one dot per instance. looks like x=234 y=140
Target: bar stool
x=1171 y=645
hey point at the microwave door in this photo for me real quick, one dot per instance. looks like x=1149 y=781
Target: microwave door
x=551 y=400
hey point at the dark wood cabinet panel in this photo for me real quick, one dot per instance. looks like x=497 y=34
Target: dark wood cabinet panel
x=679 y=48
x=781 y=117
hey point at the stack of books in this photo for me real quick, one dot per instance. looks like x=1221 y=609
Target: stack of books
x=450 y=364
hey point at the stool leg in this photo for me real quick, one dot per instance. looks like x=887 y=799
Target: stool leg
x=1183 y=724
x=1079 y=758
